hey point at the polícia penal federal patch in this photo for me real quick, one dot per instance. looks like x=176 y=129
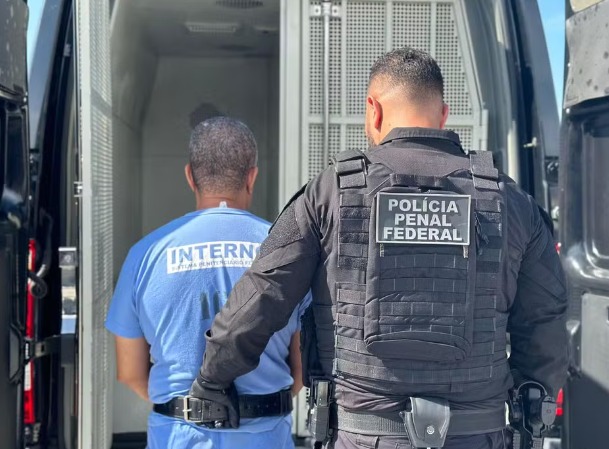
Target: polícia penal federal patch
x=423 y=219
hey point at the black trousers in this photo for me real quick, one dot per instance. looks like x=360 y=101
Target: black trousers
x=496 y=440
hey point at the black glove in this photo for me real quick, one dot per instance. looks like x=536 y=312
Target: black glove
x=219 y=394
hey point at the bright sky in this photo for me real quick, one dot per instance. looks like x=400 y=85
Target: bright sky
x=553 y=17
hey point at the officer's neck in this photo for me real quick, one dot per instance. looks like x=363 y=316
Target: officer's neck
x=409 y=122
x=237 y=200
x=396 y=115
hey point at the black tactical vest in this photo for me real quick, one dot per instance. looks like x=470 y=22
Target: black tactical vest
x=422 y=257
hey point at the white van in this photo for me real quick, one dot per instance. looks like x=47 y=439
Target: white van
x=115 y=87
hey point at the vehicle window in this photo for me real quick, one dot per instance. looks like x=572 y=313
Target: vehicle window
x=596 y=160
x=16 y=167
x=553 y=19
x=2 y=149
x=36 y=7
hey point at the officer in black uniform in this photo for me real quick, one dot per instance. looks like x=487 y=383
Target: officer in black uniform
x=420 y=258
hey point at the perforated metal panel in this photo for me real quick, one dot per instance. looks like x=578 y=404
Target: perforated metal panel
x=316 y=66
x=365 y=30
x=466 y=134
x=448 y=53
x=417 y=33
x=95 y=125
x=356 y=137
x=316 y=164
x=366 y=27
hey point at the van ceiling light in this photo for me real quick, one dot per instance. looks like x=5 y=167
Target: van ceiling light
x=239 y=4
x=212 y=27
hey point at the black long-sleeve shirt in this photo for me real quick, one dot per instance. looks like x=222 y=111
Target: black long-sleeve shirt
x=301 y=250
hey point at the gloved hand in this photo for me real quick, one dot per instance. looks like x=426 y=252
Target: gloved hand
x=220 y=394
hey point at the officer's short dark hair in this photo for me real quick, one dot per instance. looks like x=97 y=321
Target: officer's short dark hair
x=222 y=151
x=415 y=70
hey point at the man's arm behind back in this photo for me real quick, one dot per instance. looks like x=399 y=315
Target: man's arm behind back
x=264 y=298
x=537 y=318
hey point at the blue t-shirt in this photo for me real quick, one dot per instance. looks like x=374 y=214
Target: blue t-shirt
x=171 y=286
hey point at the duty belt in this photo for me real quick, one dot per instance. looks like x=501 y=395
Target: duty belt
x=462 y=422
x=197 y=410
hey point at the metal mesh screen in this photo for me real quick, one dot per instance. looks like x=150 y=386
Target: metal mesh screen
x=316 y=66
x=366 y=25
x=448 y=54
x=93 y=45
x=411 y=25
x=372 y=27
x=101 y=139
x=316 y=162
x=356 y=138
x=466 y=134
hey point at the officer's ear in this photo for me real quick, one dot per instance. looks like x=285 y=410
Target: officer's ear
x=445 y=111
x=376 y=112
x=189 y=179
x=251 y=180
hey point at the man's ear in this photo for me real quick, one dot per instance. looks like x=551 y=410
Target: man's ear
x=189 y=179
x=251 y=180
x=376 y=111
x=445 y=111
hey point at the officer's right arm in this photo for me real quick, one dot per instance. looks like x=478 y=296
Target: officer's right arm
x=537 y=322
x=263 y=300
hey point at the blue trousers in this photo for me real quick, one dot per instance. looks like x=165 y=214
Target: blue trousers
x=170 y=433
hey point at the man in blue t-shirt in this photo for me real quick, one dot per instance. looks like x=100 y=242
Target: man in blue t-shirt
x=171 y=286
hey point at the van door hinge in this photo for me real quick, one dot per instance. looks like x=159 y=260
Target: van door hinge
x=77 y=189
x=552 y=168
x=532 y=144
x=68 y=264
x=37 y=349
x=326 y=8
x=49 y=346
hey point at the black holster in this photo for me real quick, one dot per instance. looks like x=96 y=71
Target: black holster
x=532 y=411
x=311 y=368
x=427 y=422
x=319 y=403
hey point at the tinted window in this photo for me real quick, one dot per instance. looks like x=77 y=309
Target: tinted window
x=596 y=197
x=36 y=7
x=2 y=148
x=14 y=164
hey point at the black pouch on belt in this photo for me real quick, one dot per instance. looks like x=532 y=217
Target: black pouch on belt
x=427 y=422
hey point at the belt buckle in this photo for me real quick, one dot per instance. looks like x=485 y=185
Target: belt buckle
x=186 y=409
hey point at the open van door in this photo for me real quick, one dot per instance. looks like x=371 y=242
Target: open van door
x=584 y=221
x=537 y=113
x=14 y=191
x=95 y=368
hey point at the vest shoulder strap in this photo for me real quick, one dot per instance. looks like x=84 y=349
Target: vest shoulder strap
x=482 y=168
x=351 y=167
x=348 y=155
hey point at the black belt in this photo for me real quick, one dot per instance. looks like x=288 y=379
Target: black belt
x=250 y=406
x=462 y=422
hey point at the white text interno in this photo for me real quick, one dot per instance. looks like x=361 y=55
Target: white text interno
x=201 y=256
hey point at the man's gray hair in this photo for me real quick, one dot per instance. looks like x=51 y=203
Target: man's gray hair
x=222 y=152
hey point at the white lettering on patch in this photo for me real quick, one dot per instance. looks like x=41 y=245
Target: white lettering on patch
x=201 y=256
x=423 y=218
